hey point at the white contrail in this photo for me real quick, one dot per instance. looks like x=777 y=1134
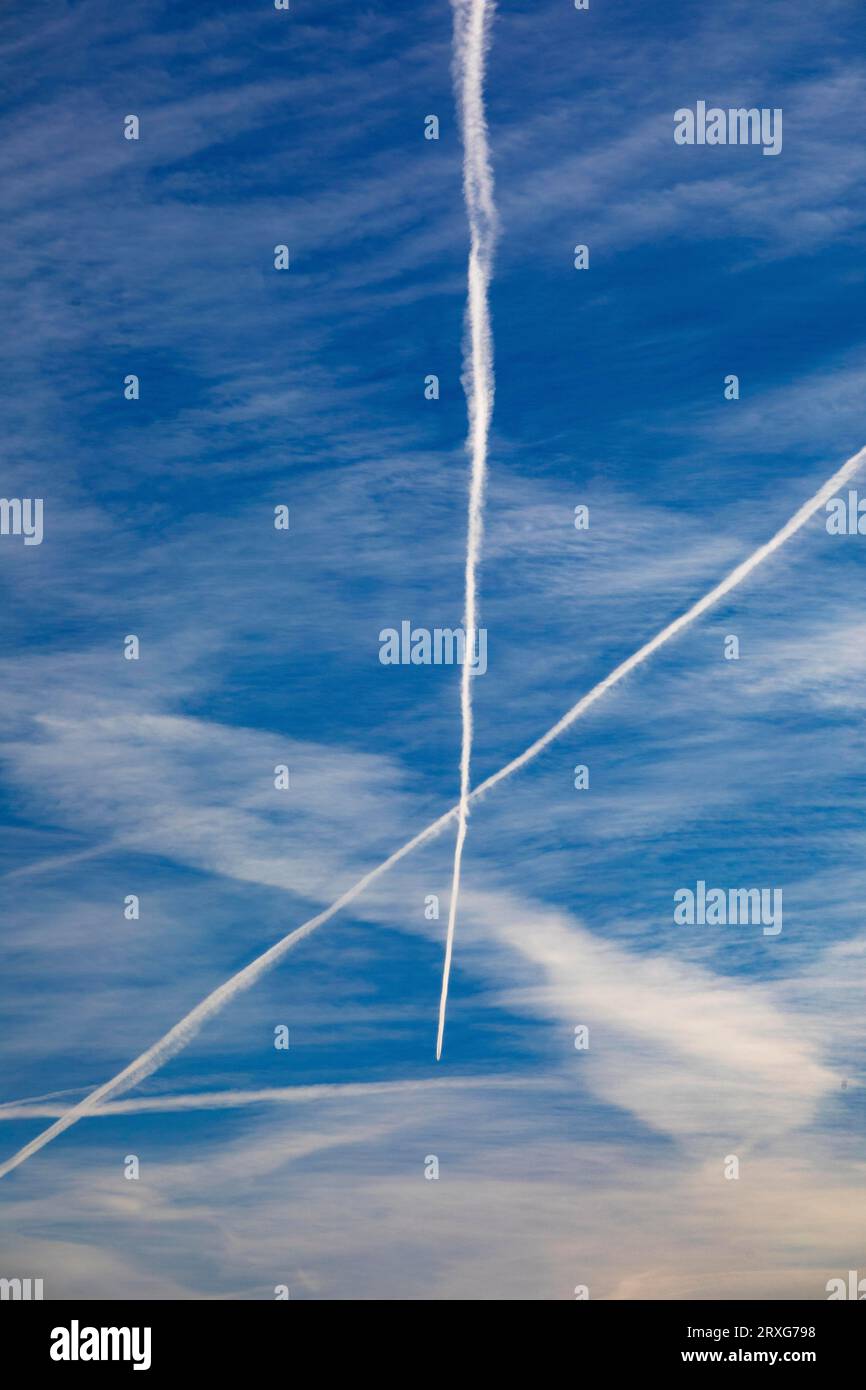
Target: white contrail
x=62 y=861
x=731 y=581
x=32 y=1107
x=46 y=1095
x=471 y=34
x=178 y=1036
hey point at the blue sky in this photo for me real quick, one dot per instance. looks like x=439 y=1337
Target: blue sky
x=259 y=647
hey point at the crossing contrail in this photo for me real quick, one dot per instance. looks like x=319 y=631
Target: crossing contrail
x=471 y=34
x=177 y=1037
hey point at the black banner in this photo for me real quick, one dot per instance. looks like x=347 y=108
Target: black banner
x=68 y=1339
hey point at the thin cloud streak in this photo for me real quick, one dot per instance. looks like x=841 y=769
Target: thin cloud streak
x=33 y=1107
x=182 y=1033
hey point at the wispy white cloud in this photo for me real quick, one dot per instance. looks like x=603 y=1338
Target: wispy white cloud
x=523 y=1208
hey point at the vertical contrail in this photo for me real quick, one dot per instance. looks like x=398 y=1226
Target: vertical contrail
x=471 y=33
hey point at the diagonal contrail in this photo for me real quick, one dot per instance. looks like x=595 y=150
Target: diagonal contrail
x=471 y=34
x=177 y=1037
